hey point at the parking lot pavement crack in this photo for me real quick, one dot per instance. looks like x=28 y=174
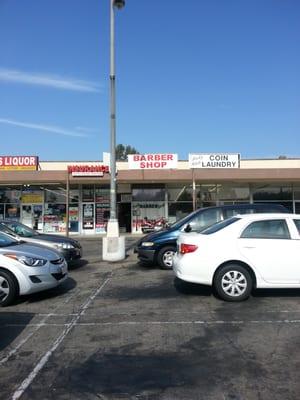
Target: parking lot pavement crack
x=43 y=361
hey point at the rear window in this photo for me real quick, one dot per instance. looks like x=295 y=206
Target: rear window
x=220 y=225
x=267 y=229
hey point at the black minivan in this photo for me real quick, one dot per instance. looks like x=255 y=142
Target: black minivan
x=159 y=247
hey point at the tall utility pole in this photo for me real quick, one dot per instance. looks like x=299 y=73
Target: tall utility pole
x=113 y=245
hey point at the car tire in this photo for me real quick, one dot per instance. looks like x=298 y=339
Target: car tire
x=165 y=257
x=233 y=282
x=8 y=288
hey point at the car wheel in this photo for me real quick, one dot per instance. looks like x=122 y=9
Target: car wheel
x=165 y=257
x=233 y=283
x=8 y=288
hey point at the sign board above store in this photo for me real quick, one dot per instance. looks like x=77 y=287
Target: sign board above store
x=152 y=161
x=214 y=160
x=19 y=163
x=88 y=170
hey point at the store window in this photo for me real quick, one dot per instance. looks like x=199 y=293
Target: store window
x=55 y=217
x=148 y=194
x=12 y=211
x=279 y=194
x=88 y=193
x=10 y=195
x=148 y=204
x=180 y=193
x=233 y=193
x=180 y=201
x=74 y=208
x=179 y=210
x=206 y=195
x=297 y=192
x=102 y=211
x=266 y=192
x=55 y=194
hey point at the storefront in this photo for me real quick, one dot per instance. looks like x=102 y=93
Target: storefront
x=54 y=198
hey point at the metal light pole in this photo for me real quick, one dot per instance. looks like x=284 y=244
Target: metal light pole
x=113 y=244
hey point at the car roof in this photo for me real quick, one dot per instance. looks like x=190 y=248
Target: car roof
x=267 y=216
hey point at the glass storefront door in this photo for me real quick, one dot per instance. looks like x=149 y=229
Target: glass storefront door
x=32 y=216
x=88 y=218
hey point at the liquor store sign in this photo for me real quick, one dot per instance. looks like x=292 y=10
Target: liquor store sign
x=214 y=160
x=88 y=170
x=152 y=161
x=19 y=163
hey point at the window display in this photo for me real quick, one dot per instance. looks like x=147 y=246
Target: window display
x=88 y=216
x=146 y=210
x=55 y=217
x=73 y=218
x=88 y=193
x=12 y=211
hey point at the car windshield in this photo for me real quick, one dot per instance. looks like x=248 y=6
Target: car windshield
x=21 y=230
x=6 y=240
x=5 y=229
x=219 y=225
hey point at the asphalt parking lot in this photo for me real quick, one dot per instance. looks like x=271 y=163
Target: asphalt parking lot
x=124 y=331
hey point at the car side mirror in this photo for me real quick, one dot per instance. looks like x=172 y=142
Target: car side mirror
x=188 y=228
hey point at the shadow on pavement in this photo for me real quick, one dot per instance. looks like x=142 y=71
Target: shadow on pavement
x=11 y=326
x=276 y=293
x=77 y=264
x=192 y=288
x=65 y=287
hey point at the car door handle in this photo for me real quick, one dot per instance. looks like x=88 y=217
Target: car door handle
x=249 y=247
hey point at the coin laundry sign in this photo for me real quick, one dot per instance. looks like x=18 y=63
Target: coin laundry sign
x=152 y=161
x=214 y=160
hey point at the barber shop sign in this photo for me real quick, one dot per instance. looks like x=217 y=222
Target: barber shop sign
x=152 y=161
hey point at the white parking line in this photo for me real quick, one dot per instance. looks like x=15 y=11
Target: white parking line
x=199 y=322
x=27 y=382
x=37 y=327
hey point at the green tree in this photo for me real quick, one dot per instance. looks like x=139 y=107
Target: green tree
x=122 y=152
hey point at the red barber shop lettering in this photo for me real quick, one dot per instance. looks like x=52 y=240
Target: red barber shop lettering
x=153 y=157
x=153 y=165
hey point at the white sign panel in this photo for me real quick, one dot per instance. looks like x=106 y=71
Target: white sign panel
x=152 y=161
x=214 y=160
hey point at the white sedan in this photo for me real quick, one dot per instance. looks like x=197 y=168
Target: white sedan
x=27 y=268
x=242 y=253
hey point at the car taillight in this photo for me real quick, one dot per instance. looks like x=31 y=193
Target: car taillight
x=187 y=248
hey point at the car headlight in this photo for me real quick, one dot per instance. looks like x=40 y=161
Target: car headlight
x=64 y=246
x=29 y=261
x=147 y=244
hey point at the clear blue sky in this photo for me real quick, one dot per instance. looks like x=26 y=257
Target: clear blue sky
x=192 y=76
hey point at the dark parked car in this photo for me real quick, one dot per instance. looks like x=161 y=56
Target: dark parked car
x=159 y=247
x=69 y=248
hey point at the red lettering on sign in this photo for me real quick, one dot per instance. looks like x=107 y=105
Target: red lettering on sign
x=88 y=168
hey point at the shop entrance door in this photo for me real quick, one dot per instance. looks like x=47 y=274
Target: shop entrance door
x=88 y=218
x=32 y=216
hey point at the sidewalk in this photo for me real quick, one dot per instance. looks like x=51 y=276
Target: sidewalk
x=132 y=236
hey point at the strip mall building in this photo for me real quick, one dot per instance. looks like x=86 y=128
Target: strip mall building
x=73 y=197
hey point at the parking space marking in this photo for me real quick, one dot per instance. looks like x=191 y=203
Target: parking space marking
x=37 y=327
x=40 y=365
x=206 y=322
